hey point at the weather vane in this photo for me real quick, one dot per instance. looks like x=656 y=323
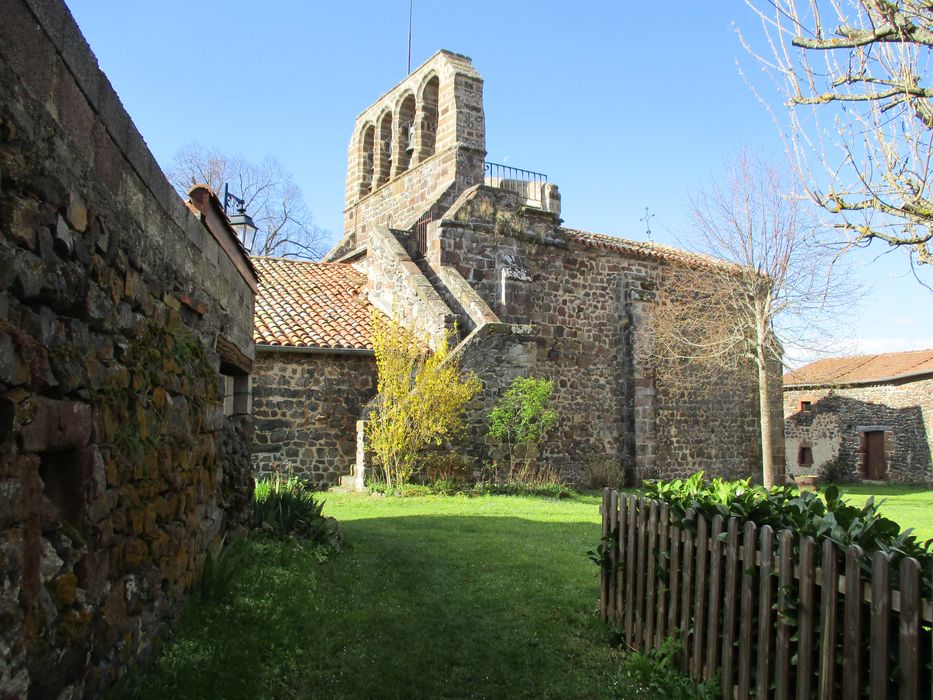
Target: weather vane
x=647 y=219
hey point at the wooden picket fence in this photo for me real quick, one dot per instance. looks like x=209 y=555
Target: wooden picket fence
x=767 y=613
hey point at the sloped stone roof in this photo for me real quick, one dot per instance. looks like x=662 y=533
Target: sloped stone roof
x=311 y=305
x=862 y=369
x=640 y=249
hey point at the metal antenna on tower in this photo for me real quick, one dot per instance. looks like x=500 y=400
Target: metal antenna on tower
x=647 y=219
x=410 y=3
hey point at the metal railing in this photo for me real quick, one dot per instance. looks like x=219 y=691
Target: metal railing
x=421 y=234
x=525 y=183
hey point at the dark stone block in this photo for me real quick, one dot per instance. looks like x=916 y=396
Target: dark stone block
x=28 y=49
x=64 y=239
x=75 y=115
x=29 y=269
x=56 y=425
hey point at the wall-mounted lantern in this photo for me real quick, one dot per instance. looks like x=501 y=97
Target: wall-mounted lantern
x=241 y=222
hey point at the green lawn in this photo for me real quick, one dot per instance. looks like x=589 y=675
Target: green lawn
x=435 y=597
x=908 y=506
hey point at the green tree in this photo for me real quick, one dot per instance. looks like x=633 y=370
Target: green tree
x=421 y=400
x=521 y=417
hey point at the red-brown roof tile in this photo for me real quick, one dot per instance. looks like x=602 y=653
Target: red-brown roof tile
x=862 y=369
x=311 y=305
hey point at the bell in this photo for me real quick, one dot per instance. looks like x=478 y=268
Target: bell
x=410 y=146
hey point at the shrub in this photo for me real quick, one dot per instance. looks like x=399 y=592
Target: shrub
x=289 y=507
x=601 y=471
x=515 y=487
x=804 y=513
x=421 y=399
x=521 y=417
x=835 y=472
x=449 y=467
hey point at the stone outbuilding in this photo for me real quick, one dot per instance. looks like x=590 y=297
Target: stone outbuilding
x=869 y=416
x=314 y=369
x=442 y=240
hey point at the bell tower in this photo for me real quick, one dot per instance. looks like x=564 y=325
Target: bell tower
x=414 y=150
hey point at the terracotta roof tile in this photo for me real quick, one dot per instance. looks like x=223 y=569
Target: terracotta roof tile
x=862 y=369
x=641 y=249
x=310 y=304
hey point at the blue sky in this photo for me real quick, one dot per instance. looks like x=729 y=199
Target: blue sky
x=624 y=105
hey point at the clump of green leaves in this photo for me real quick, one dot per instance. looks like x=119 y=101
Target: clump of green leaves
x=288 y=507
x=521 y=418
x=654 y=674
x=220 y=563
x=804 y=513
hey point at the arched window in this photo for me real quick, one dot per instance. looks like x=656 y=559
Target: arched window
x=384 y=151
x=367 y=159
x=405 y=139
x=427 y=132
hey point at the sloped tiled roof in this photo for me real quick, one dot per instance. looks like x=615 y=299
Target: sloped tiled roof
x=641 y=249
x=862 y=369
x=311 y=305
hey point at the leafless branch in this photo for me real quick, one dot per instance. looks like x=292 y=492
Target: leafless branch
x=272 y=199
x=859 y=122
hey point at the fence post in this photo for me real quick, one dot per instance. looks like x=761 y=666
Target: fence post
x=621 y=580
x=715 y=594
x=782 y=641
x=728 y=617
x=829 y=586
x=641 y=567
x=699 y=599
x=687 y=583
x=806 y=617
x=675 y=575
x=749 y=547
x=612 y=533
x=630 y=571
x=664 y=547
x=909 y=630
x=765 y=620
x=852 y=634
x=880 y=618
x=651 y=574
x=603 y=574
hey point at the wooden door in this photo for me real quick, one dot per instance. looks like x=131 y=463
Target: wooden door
x=875 y=466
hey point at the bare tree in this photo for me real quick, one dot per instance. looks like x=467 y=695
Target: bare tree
x=767 y=282
x=272 y=199
x=855 y=76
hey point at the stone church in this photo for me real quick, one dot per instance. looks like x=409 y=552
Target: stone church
x=441 y=239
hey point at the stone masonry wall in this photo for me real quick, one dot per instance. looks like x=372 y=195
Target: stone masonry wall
x=903 y=410
x=586 y=310
x=305 y=408
x=574 y=303
x=397 y=287
x=118 y=468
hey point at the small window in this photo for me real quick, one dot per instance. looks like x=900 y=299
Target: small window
x=238 y=397
x=806 y=406
x=804 y=457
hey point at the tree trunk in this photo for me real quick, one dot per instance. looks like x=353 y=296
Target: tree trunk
x=764 y=409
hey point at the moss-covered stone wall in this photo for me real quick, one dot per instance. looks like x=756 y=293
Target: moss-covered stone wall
x=118 y=468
